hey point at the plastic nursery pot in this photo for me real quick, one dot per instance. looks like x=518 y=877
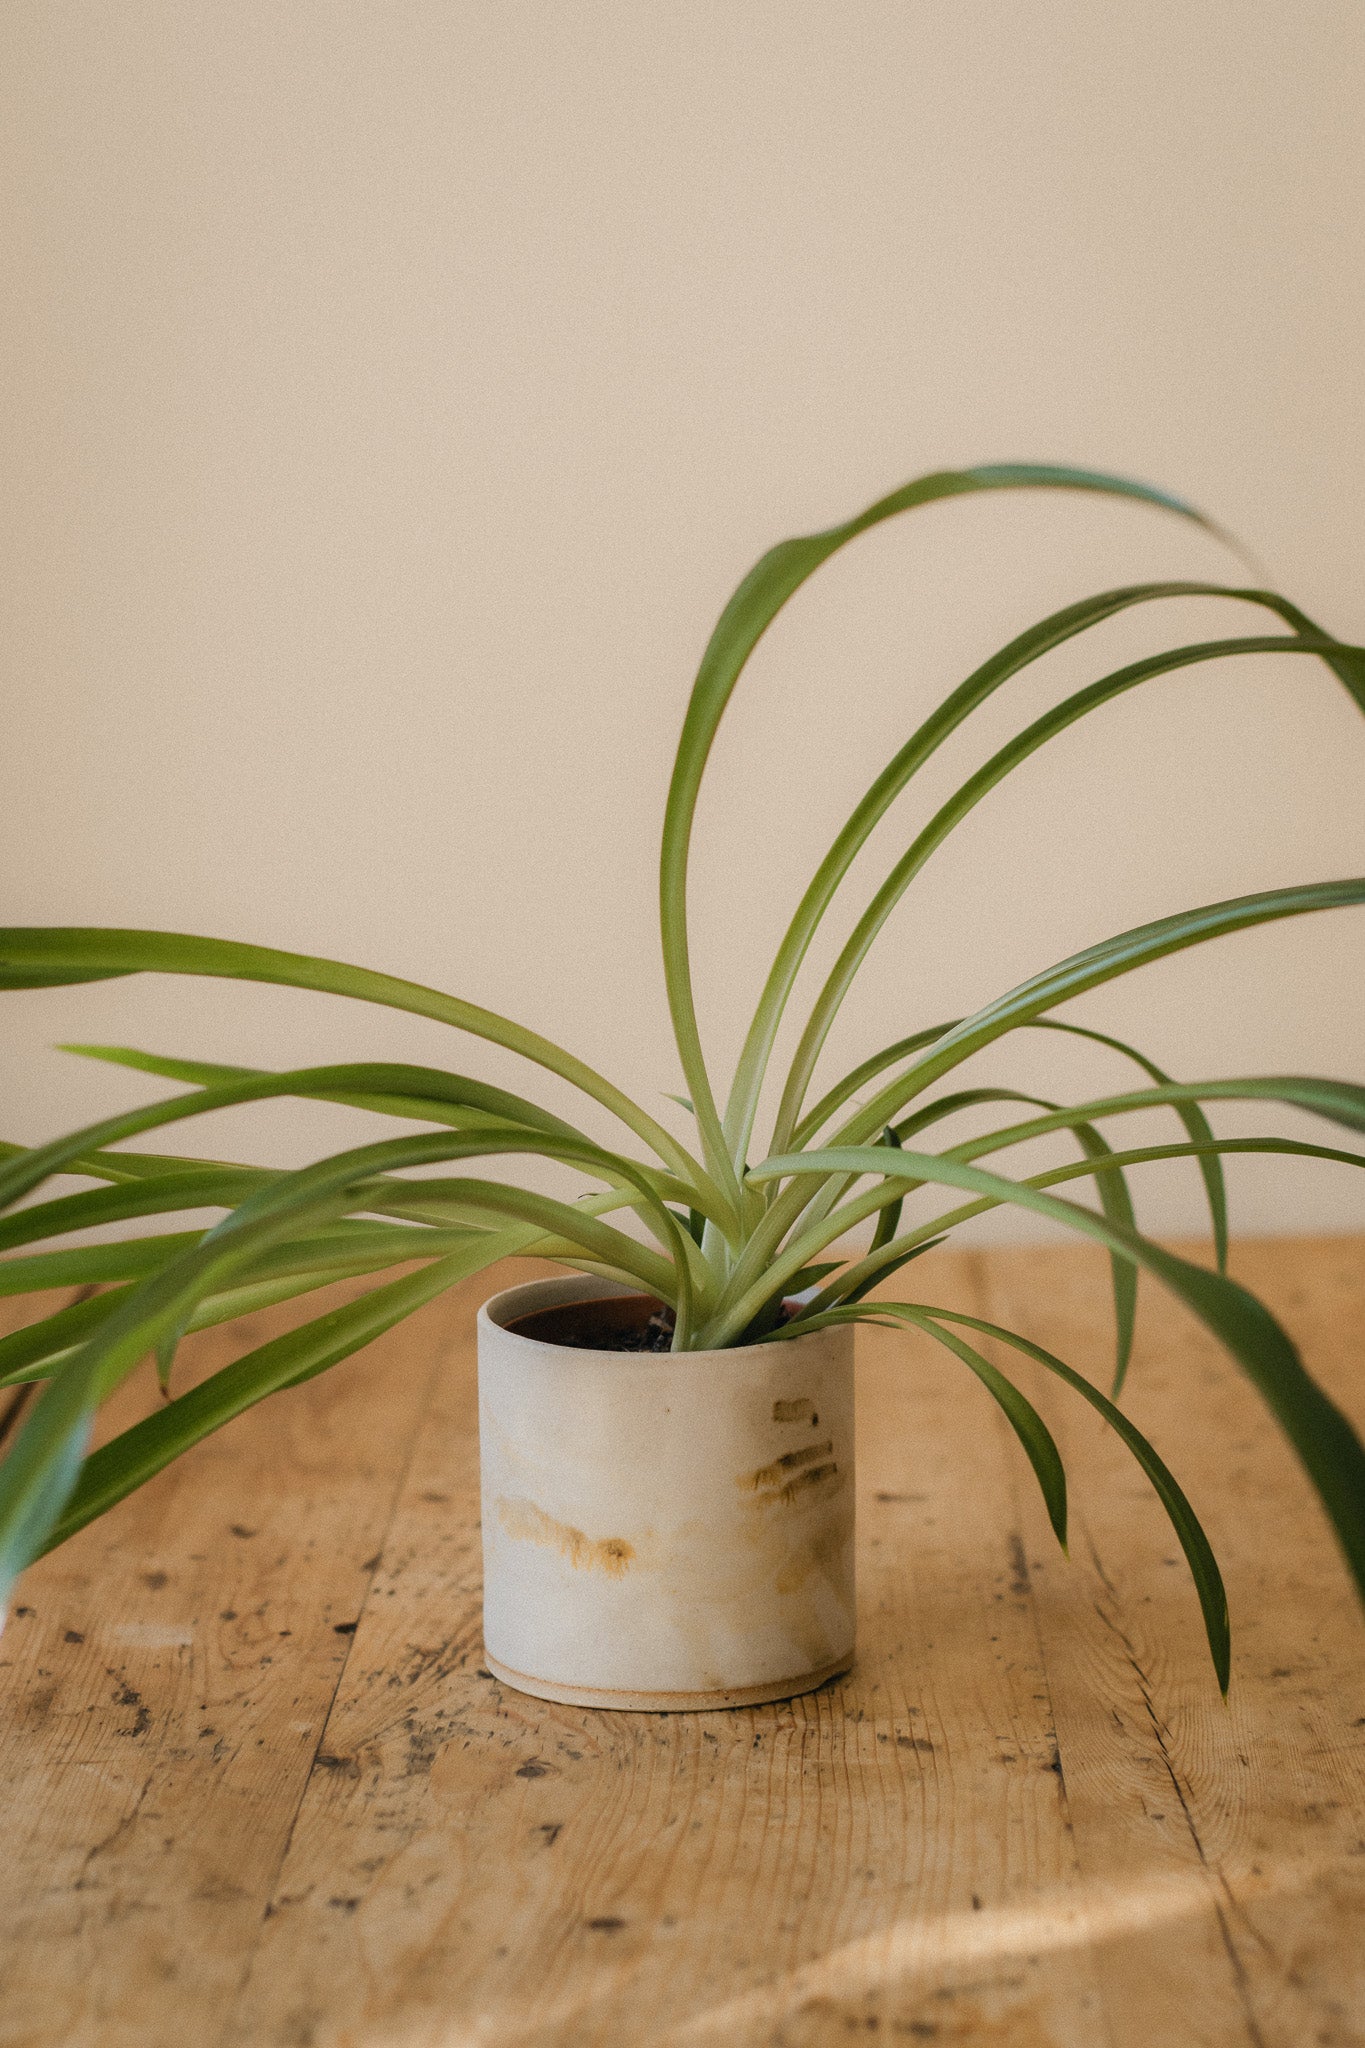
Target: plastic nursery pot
x=663 y=1531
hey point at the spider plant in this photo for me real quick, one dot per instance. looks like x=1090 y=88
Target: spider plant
x=726 y=1231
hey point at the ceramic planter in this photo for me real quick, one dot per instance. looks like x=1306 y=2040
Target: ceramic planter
x=663 y=1531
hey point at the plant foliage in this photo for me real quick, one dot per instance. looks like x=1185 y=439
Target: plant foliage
x=724 y=1237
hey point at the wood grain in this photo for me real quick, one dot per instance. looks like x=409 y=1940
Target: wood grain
x=164 y=1683
x=1242 y=1827
x=1024 y=1818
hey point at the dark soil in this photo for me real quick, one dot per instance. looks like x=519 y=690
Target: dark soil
x=618 y=1322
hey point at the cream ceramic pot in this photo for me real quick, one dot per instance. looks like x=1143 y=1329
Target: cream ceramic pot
x=663 y=1530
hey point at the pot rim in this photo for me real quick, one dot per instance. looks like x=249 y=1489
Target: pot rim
x=559 y=1289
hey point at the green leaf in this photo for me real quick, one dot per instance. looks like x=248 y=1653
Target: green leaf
x=1340 y=1102
x=810 y=1276
x=26 y=1170
x=940 y=827
x=352 y=1246
x=214 y=1188
x=24 y=1353
x=89 y=1264
x=770 y=1316
x=1110 y=1184
x=1196 y=1123
x=1198 y=1551
x=34 y=1352
x=200 y=1073
x=120 y=1168
x=1039 y=640
x=1027 y=1424
x=869 y=1069
x=62 y=1415
x=1089 y=969
x=38 y=957
x=1190 y=1535
x=1024 y=1419
x=1117 y=1204
x=890 y=1056
x=884 y=1272
x=36 y=1482
x=132 y=1458
x=429 y=1093
x=930 y=1113
x=755 y=604
x=869 y=1271
x=888 y=1219
x=33 y=976
x=693 y=1222
x=165 y=1360
x=1144 y=1154
x=1326 y=1443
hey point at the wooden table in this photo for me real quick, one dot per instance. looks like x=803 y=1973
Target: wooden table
x=258 y=1789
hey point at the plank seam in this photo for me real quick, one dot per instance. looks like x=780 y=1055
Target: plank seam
x=400 y=1484
x=979 y=1277
x=1211 y=1872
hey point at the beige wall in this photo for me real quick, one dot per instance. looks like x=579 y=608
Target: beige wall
x=395 y=392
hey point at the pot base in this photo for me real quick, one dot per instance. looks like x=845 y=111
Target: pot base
x=667 y=1702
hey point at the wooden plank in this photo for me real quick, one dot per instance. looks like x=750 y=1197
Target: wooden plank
x=470 y=1864
x=1025 y=1818
x=1223 y=1848
x=164 y=1682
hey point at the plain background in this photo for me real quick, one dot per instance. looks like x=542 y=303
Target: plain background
x=393 y=393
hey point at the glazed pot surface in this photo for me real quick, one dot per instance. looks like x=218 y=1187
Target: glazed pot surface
x=664 y=1530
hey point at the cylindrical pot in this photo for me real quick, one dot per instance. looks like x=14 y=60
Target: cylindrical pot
x=669 y=1530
